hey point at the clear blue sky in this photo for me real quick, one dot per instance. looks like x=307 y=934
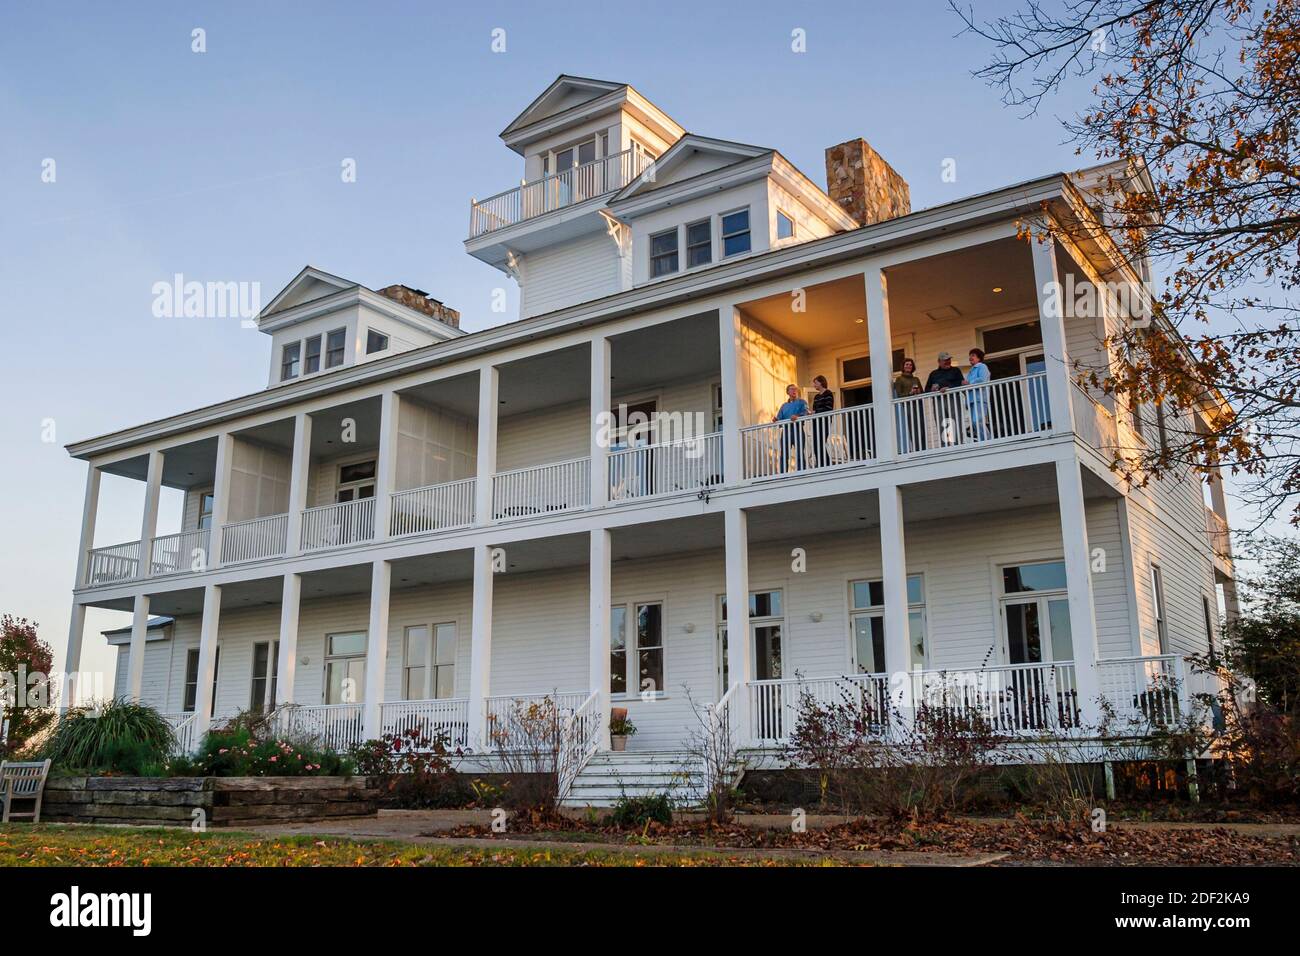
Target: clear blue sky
x=224 y=166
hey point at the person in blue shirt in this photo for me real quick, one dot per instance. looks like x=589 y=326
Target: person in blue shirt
x=977 y=398
x=790 y=412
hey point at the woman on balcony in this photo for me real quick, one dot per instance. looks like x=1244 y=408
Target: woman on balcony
x=977 y=399
x=823 y=401
x=911 y=423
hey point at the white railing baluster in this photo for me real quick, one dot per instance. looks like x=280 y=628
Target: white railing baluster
x=254 y=539
x=186 y=551
x=541 y=489
x=339 y=524
x=1001 y=410
x=845 y=436
x=432 y=508
x=447 y=718
x=117 y=562
x=677 y=467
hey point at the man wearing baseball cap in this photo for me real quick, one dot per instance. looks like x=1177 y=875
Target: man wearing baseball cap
x=945 y=376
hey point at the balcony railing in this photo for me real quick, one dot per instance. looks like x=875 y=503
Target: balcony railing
x=187 y=551
x=254 y=539
x=432 y=508
x=447 y=718
x=810 y=443
x=669 y=468
x=183 y=732
x=556 y=191
x=1143 y=690
x=1216 y=526
x=971 y=415
x=342 y=523
x=515 y=722
x=541 y=489
x=117 y=562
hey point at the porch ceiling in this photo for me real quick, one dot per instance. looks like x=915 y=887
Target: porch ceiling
x=327 y=428
x=184 y=466
x=542 y=381
x=683 y=349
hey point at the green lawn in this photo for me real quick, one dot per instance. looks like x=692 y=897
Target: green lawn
x=55 y=845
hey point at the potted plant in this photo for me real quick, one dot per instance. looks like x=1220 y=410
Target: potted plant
x=620 y=728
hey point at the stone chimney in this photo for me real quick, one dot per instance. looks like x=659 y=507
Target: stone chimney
x=421 y=301
x=864 y=185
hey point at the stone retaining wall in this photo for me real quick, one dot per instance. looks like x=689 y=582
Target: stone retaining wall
x=225 y=801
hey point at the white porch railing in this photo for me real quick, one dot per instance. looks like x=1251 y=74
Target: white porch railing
x=335 y=726
x=774 y=704
x=825 y=440
x=345 y=522
x=183 y=730
x=1143 y=690
x=505 y=714
x=117 y=562
x=448 y=718
x=254 y=539
x=187 y=551
x=541 y=489
x=1012 y=698
x=580 y=737
x=432 y=508
x=668 y=468
x=566 y=187
x=1001 y=410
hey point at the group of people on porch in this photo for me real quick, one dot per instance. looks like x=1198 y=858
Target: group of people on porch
x=911 y=430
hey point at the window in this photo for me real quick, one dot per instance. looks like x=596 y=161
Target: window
x=1209 y=623
x=266 y=667
x=205 y=510
x=375 y=341
x=638 y=654
x=430 y=669
x=312 y=361
x=356 y=480
x=663 y=254
x=190 y=700
x=699 y=244
x=1161 y=428
x=766 y=628
x=289 y=361
x=867 y=624
x=735 y=233
x=784 y=226
x=1158 y=606
x=1035 y=614
x=334 y=347
x=345 y=667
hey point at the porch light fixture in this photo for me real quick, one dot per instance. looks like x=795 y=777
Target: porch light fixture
x=688 y=627
x=859 y=321
x=997 y=288
x=815 y=617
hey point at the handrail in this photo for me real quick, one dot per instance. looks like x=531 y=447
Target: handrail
x=579 y=741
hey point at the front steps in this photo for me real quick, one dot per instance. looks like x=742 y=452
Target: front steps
x=644 y=773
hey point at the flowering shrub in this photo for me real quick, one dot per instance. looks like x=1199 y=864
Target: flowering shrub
x=237 y=753
x=413 y=769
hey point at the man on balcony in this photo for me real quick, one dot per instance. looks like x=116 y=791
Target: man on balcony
x=947 y=414
x=788 y=415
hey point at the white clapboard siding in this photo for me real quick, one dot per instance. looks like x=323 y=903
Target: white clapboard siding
x=584 y=269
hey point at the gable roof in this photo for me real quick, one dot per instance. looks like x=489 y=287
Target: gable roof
x=301 y=287
x=122 y=635
x=729 y=153
x=552 y=100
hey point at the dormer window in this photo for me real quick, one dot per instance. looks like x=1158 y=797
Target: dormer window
x=735 y=233
x=784 y=226
x=289 y=357
x=699 y=244
x=663 y=253
x=334 y=347
x=375 y=342
x=311 y=362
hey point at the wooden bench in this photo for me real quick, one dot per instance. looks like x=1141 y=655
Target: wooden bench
x=22 y=781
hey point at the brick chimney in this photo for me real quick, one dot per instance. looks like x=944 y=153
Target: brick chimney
x=864 y=185
x=421 y=301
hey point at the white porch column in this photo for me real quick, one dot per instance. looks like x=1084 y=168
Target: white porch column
x=77 y=623
x=740 y=645
x=486 y=469
x=135 y=657
x=893 y=567
x=480 y=654
x=599 y=647
x=149 y=521
x=381 y=578
x=287 y=663
x=220 y=497
x=1078 y=582
x=730 y=338
x=601 y=400
x=386 y=461
x=881 y=350
x=300 y=473
x=1051 y=319
x=208 y=630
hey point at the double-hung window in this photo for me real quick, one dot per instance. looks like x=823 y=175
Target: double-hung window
x=1158 y=605
x=266 y=667
x=289 y=357
x=663 y=253
x=429 y=672
x=311 y=362
x=345 y=667
x=335 y=343
x=867 y=622
x=637 y=649
x=1036 y=614
x=735 y=233
x=699 y=243
x=189 y=702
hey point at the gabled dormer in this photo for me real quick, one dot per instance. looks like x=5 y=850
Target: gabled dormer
x=320 y=322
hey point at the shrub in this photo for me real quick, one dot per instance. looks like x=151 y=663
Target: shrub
x=414 y=770
x=237 y=753
x=639 y=811
x=123 y=737
x=24 y=702
x=526 y=741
